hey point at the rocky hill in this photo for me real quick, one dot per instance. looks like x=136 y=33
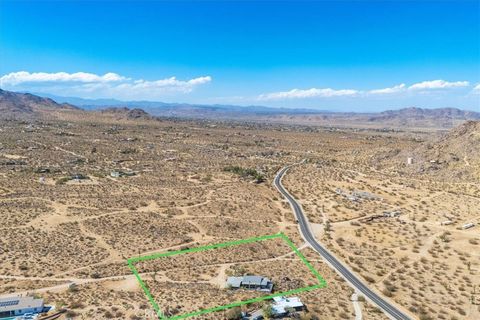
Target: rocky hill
x=126 y=113
x=454 y=156
x=25 y=105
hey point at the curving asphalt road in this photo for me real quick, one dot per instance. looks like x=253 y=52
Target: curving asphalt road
x=388 y=308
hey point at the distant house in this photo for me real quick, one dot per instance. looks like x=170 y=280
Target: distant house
x=18 y=306
x=282 y=305
x=468 y=226
x=115 y=174
x=365 y=195
x=352 y=198
x=78 y=177
x=118 y=174
x=391 y=214
x=258 y=283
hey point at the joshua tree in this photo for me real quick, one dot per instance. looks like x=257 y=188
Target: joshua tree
x=327 y=226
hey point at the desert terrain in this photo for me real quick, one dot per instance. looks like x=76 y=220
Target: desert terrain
x=81 y=192
x=401 y=226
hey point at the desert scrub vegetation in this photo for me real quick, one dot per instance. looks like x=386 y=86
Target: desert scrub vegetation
x=246 y=173
x=182 y=196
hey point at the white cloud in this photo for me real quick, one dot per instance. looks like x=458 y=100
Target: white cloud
x=91 y=85
x=476 y=89
x=307 y=93
x=20 y=77
x=172 y=83
x=200 y=80
x=438 y=84
x=395 y=89
x=399 y=88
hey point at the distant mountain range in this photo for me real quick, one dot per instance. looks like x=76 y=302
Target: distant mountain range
x=419 y=113
x=160 y=108
x=14 y=104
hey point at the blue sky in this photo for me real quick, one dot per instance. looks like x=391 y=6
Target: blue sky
x=355 y=56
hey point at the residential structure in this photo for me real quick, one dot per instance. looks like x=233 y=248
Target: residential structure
x=468 y=226
x=258 y=283
x=283 y=305
x=119 y=173
x=391 y=214
x=18 y=306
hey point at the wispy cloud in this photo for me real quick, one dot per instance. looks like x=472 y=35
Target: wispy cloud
x=94 y=85
x=329 y=93
x=172 y=83
x=307 y=93
x=438 y=84
x=395 y=89
x=476 y=89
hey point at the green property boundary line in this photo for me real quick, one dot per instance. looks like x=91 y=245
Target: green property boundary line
x=321 y=282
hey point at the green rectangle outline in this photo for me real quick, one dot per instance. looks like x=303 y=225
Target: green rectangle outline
x=321 y=281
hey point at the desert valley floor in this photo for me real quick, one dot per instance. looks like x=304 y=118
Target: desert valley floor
x=83 y=192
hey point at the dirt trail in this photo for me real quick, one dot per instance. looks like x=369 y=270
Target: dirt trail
x=80 y=281
x=114 y=254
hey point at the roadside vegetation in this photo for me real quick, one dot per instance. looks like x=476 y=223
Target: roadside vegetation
x=247 y=173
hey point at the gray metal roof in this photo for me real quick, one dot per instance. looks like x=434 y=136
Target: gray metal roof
x=255 y=280
x=16 y=303
x=234 y=282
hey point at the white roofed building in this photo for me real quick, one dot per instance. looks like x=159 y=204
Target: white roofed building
x=283 y=305
x=17 y=306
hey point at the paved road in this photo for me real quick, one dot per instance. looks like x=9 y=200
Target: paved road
x=388 y=308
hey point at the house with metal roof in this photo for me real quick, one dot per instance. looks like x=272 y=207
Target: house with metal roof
x=258 y=283
x=18 y=306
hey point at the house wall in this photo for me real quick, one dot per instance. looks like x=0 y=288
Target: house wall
x=28 y=310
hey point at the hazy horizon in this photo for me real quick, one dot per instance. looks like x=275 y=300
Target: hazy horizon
x=111 y=102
